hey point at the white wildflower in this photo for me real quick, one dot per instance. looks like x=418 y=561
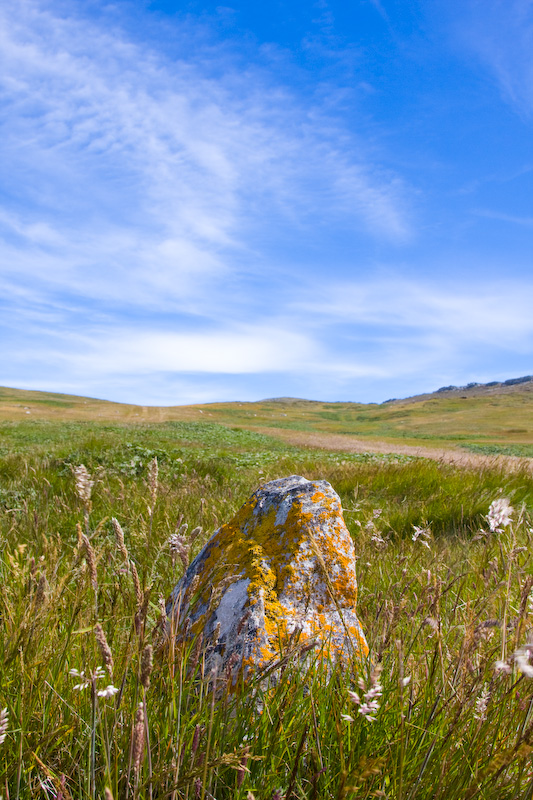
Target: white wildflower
x=378 y=540
x=79 y=687
x=421 y=535
x=86 y=680
x=368 y=704
x=499 y=516
x=522 y=658
x=502 y=666
x=347 y=718
x=109 y=691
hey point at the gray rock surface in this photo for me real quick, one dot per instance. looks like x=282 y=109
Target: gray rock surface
x=282 y=571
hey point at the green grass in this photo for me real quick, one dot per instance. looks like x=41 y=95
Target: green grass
x=486 y=416
x=517 y=450
x=440 y=617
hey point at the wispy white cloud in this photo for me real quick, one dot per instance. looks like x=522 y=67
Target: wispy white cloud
x=380 y=332
x=241 y=350
x=496 y=314
x=526 y=222
x=501 y=35
x=128 y=161
x=153 y=197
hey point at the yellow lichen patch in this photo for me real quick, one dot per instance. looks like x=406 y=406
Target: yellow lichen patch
x=296 y=556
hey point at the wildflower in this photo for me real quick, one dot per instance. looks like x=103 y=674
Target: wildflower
x=347 y=718
x=368 y=704
x=79 y=687
x=481 y=704
x=84 y=484
x=421 y=535
x=522 y=660
x=378 y=540
x=86 y=680
x=499 y=516
x=109 y=691
x=4 y=716
x=502 y=666
x=84 y=683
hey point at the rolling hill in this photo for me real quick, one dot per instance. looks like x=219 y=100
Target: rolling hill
x=484 y=418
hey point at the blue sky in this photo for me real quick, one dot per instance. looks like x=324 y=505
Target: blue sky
x=203 y=202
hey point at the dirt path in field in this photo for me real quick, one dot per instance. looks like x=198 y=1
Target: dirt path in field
x=350 y=444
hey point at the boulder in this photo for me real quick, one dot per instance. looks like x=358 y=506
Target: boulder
x=280 y=574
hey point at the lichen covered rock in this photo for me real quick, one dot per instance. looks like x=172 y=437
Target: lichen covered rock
x=282 y=569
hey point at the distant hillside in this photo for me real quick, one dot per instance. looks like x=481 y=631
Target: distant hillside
x=496 y=417
x=472 y=389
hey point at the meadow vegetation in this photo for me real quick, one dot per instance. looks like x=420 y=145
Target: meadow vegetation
x=490 y=419
x=99 y=703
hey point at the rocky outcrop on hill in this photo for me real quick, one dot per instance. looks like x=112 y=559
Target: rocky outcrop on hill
x=281 y=574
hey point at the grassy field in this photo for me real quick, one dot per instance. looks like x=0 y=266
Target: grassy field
x=485 y=420
x=447 y=611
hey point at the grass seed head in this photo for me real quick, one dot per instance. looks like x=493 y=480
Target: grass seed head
x=481 y=704
x=119 y=536
x=178 y=544
x=147 y=663
x=84 y=484
x=103 y=646
x=4 y=719
x=90 y=557
x=138 y=739
x=136 y=585
x=153 y=471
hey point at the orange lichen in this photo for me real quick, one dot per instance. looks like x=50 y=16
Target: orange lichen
x=303 y=557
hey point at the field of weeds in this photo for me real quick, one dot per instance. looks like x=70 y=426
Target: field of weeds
x=94 y=704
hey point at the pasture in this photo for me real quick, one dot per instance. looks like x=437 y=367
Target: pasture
x=446 y=604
